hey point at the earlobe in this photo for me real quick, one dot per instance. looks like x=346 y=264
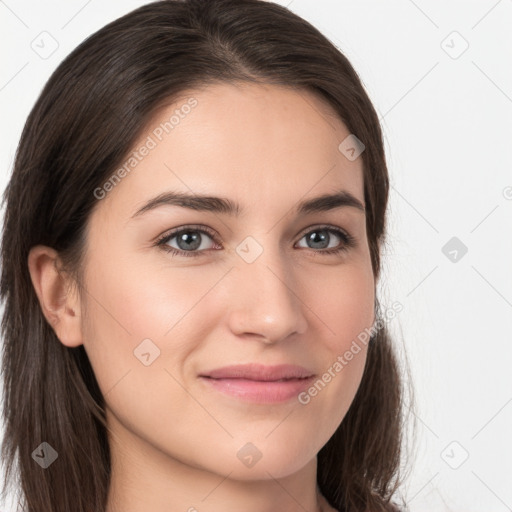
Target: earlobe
x=59 y=304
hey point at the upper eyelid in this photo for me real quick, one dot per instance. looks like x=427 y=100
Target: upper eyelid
x=187 y=227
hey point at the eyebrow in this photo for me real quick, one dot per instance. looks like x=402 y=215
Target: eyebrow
x=226 y=206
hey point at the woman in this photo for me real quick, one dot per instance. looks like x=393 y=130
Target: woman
x=250 y=370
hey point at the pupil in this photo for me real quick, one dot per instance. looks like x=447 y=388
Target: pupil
x=322 y=238
x=193 y=239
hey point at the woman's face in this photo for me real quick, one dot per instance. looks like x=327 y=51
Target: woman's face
x=252 y=286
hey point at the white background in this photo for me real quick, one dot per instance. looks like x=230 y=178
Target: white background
x=448 y=130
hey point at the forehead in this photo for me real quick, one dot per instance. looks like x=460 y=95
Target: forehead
x=252 y=142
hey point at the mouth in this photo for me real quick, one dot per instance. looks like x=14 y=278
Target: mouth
x=258 y=383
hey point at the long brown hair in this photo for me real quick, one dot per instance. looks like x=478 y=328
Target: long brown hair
x=83 y=125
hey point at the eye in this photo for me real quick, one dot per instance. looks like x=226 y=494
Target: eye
x=190 y=240
x=322 y=235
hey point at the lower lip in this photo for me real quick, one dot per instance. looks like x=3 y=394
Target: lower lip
x=260 y=391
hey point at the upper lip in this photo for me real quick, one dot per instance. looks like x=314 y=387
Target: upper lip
x=259 y=372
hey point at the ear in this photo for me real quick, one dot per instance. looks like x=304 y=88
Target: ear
x=59 y=300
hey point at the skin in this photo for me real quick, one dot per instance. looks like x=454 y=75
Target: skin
x=174 y=441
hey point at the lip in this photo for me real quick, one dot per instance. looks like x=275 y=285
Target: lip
x=259 y=383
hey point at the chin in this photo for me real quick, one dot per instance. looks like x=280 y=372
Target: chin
x=266 y=459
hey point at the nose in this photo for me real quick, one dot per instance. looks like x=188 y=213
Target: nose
x=264 y=301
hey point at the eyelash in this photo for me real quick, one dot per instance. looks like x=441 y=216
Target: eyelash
x=348 y=241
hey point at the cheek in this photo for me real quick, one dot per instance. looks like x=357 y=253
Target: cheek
x=344 y=302
x=345 y=308
x=138 y=303
x=136 y=308
x=141 y=330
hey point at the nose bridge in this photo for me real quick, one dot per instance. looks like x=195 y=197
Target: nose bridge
x=264 y=300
